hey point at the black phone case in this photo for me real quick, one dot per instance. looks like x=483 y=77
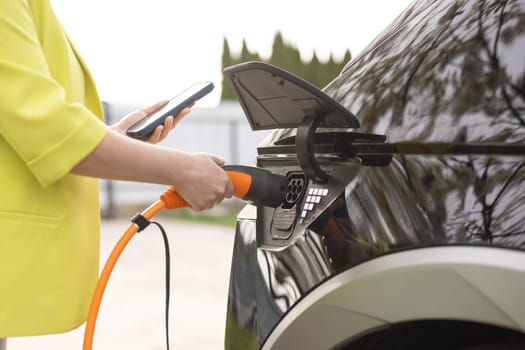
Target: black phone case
x=148 y=129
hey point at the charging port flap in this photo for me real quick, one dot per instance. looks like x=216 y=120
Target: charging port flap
x=276 y=99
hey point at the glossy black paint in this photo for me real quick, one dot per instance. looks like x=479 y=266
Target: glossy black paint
x=454 y=73
x=444 y=71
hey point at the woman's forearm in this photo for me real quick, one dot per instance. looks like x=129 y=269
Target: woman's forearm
x=119 y=157
x=197 y=177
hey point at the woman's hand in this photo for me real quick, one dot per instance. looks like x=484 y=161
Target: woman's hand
x=201 y=182
x=161 y=131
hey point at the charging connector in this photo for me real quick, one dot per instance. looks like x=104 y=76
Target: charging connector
x=294 y=190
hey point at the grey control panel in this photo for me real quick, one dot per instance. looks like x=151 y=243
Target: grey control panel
x=313 y=197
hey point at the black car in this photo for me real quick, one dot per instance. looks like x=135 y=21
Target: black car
x=403 y=223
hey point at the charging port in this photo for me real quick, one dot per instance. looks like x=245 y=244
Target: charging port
x=295 y=189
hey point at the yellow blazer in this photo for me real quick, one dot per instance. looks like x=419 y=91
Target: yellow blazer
x=50 y=119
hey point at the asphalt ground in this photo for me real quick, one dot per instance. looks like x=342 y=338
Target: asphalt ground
x=132 y=312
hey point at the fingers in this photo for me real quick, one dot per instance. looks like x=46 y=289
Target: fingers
x=156 y=135
x=218 y=160
x=181 y=115
x=161 y=131
x=166 y=128
x=203 y=183
x=229 y=190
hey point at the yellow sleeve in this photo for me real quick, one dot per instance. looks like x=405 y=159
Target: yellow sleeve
x=50 y=134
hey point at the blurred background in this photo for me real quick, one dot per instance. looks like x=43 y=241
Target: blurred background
x=143 y=51
x=140 y=52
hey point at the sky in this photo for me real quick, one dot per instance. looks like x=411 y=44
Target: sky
x=143 y=51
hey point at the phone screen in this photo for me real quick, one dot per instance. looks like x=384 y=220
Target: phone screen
x=186 y=95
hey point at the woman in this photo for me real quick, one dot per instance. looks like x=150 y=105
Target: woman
x=53 y=147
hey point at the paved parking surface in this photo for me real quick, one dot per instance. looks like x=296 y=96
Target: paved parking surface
x=132 y=313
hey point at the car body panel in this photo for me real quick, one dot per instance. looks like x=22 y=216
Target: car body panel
x=430 y=283
x=443 y=71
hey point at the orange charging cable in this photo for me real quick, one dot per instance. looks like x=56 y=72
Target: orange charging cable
x=106 y=273
x=170 y=199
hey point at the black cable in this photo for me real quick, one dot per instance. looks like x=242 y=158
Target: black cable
x=142 y=223
x=167 y=253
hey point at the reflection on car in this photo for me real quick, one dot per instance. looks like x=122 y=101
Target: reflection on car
x=403 y=225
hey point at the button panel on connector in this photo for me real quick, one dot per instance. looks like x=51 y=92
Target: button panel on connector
x=313 y=196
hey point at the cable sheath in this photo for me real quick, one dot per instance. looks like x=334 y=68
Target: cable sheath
x=89 y=332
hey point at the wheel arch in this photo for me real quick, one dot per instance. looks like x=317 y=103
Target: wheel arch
x=480 y=285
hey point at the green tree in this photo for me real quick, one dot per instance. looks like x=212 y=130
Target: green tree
x=247 y=55
x=347 y=57
x=288 y=57
x=227 y=60
x=314 y=70
x=277 y=57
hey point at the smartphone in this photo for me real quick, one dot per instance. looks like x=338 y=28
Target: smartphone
x=145 y=126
